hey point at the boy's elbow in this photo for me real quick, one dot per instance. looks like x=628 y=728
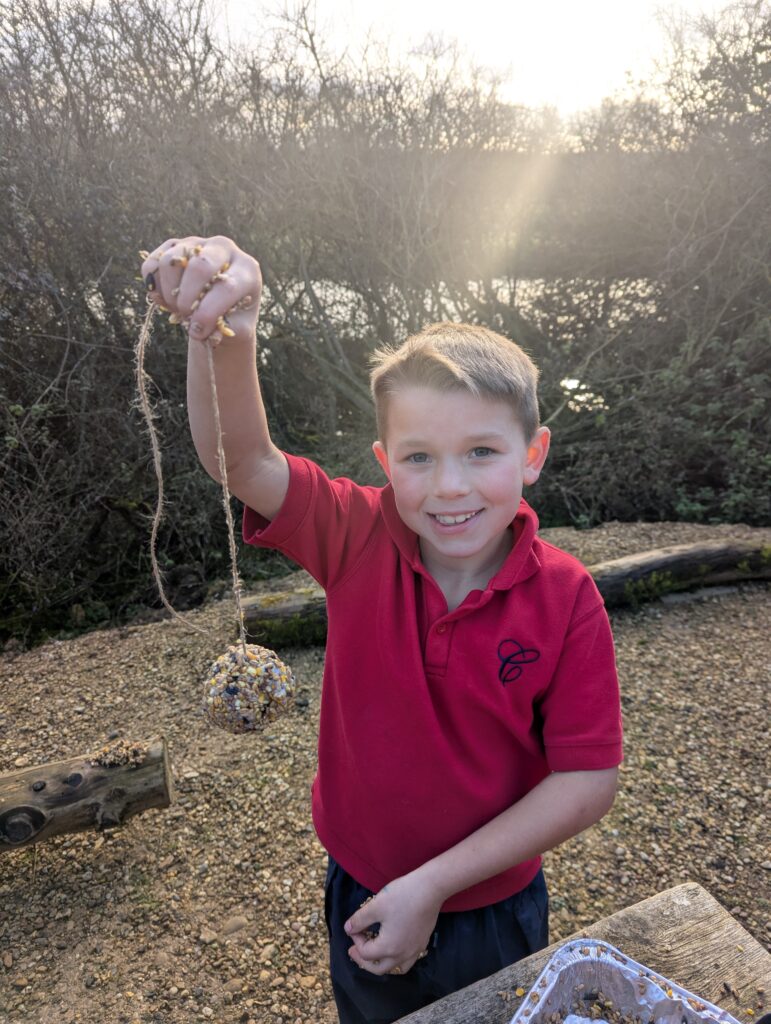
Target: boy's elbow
x=590 y=794
x=607 y=789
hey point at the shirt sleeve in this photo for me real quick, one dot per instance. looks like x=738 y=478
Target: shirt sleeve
x=581 y=709
x=324 y=525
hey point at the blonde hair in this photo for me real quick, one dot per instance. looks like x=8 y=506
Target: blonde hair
x=458 y=357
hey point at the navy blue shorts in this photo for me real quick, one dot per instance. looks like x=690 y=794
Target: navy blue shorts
x=466 y=946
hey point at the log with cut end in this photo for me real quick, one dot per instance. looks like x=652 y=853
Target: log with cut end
x=98 y=790
x=299 y=616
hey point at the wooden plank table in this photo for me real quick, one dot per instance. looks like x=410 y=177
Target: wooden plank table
x=682 y=933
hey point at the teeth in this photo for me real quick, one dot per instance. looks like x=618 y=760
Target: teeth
x=451 y=520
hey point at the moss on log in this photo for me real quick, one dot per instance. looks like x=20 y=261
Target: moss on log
x=287 y=618
x=647 y=576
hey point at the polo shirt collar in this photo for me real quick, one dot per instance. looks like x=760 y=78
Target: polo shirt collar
x=521 y=562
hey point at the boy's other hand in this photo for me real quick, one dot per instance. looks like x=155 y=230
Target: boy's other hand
x=407 y=913
x=209 y=285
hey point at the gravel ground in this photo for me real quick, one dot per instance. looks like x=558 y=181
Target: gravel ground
x=213 y=908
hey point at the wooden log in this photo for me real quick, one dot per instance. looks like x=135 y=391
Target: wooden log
x=298 y=616
x=644 y=577
x=287 y=618
x=97 y=790
x=682 y=933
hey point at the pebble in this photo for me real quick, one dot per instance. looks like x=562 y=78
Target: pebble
x=207 y=936
x=234 y=924
x=308 y=980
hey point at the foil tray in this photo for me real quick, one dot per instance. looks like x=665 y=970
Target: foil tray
x=586 y=976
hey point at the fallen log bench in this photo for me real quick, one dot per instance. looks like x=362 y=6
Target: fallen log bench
x=644 y=577
x=298 y=617
x=99 y=790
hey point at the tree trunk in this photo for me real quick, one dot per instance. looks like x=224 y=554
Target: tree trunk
x=97 y=790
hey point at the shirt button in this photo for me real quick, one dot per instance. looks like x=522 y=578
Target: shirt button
x=441 y=629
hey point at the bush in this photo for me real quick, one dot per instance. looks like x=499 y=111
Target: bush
x=626 y=252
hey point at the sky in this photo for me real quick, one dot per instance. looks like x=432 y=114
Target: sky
x=561 y=53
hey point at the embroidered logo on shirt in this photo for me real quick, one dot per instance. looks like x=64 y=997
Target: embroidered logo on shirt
x=513 y=656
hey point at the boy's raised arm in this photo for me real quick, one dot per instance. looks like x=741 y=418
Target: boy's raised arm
x=200 y=281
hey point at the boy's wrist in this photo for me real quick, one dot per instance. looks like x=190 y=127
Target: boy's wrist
x=433 y=881
x=227 y=344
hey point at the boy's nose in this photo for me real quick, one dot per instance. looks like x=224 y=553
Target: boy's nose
x=450 y=480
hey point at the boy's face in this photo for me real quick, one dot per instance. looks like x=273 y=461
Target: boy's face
x=457 y=464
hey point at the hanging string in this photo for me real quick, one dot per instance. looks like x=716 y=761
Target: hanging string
x=144 y=401
x=226 y=500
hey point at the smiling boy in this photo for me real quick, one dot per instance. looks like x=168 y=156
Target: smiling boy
x=470 y=713
x=457 y=465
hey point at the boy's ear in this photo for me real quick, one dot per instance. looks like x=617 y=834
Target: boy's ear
x=382 y=457
x=537 y=451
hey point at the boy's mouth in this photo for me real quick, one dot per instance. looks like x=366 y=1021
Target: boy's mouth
x=454 y=520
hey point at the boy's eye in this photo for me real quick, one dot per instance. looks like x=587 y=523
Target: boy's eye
x=481 y=452
x=417 y=457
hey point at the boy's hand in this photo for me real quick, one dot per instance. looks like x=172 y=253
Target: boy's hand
x=209 y=285
x=407 y=912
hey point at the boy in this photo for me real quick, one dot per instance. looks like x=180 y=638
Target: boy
x=470 y=713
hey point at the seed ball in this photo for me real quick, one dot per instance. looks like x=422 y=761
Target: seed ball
x=242 y=693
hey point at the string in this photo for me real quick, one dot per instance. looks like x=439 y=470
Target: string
x=142 y=379
x=226 y=500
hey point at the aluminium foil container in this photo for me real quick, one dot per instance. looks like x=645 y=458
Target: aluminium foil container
x=587 y=978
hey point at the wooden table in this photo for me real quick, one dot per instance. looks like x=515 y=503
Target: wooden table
x=683 y=933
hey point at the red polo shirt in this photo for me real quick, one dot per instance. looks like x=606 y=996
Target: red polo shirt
x=434 y=722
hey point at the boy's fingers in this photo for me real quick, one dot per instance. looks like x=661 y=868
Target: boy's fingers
x=361 y=918
x=174 y=266
x=381 y=965
x=403 y=967
x=375 y=964
x=363 y=941
x=151 y=261
x=211 y=272
x=228 y=288
x=207 y=285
